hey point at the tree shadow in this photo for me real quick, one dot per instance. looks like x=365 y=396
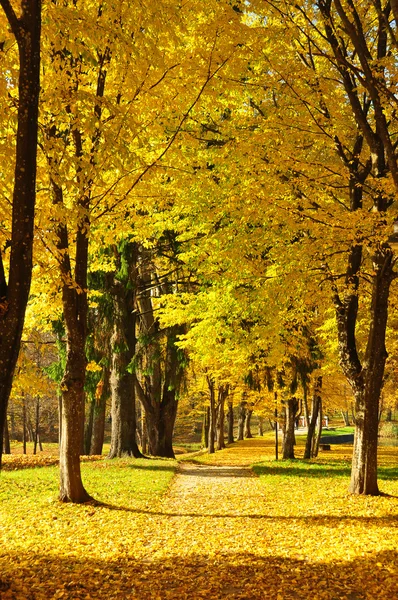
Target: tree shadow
x=307 y=520
x=309 y=470
x=240 y=576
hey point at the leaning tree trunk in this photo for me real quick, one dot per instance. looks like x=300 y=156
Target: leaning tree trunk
x=230 y=421
x=317 y=437
x=291 y=408
x=26 y=26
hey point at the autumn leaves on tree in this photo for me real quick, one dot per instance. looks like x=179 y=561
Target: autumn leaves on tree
x=223 y=179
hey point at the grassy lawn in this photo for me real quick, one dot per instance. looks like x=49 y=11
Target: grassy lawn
x=292 y=526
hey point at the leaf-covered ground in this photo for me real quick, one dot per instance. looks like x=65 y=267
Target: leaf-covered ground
x=217 y=529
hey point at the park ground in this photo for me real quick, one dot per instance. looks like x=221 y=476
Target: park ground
x=235 y=525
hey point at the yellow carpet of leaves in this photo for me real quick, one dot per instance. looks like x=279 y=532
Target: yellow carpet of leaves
x=220 y=531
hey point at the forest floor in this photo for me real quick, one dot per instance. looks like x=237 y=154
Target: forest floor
x=217 y=528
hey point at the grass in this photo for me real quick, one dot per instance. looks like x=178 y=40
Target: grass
x=293 y=517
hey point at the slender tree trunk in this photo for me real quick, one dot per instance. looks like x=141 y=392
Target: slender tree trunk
x=37 y=426
x=247 y=431
x=346 y=417
x=26 y=26
x=7 y=446
x=205 y=427
x=97 y=440
x=59 y=419
x=241 y=419
x=261 y=426
x=212 y=418
x=291 y=408
x=308 y=452
x=144 y=433
x=24 y=424
x=88 y=428
x=220 y=417
x=230 y=420
x=317 y=437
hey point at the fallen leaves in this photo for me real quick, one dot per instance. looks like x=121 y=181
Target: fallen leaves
x=219 y=532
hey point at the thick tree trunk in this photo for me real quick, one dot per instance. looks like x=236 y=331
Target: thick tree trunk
x=205 y=427
x=291 y=408
x=230 y=420
x=160 y=426
x=14 y=295
x=123 y=346
x=314 y=417
x=247 y=431
x=366 y=379
x=241 y=420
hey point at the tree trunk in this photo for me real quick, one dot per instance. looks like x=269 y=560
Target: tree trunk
x=88 y=427
x=291 y=408
x=7 y=447
x=144 y=433
x=230 y=420
x=97 y=439
x=26 y=26
x=212 y=418
x=247 y=431
x=261 y=426
x=160 y=422
x=388 y=415
x=308 y=452
x=37 y=425
x=346 y=418
x=220 y=417
x=205 y=427
x=24 y=424
x=317 y=437
x=241 y=419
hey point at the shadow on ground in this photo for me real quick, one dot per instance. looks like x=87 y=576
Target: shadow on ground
x=242 y=576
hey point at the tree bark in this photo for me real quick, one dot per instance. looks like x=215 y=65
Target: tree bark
x=291 y=408
x=7 y=446
x=308 y=452
x=317 y=437
x=123 y=347
x=230 y=420
x=247 y=431
x=223 y=391
x=241 y=419
x=205 y=427
x=97 y=439
x=212 y=417
x=14 y=294
x=260 y=426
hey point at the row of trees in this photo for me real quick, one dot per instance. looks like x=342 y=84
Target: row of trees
x=214 y=181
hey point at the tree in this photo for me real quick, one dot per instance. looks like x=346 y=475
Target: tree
x=14 y=293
